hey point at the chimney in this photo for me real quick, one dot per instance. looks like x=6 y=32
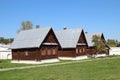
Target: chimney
x=37 y=26
x=64 y=28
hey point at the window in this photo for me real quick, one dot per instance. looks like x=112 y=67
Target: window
x=76 y=50
x=83 y=49
x=43 y=52
x=26 y=53
x=54 y=51
x=80 y=50
x=49 y=52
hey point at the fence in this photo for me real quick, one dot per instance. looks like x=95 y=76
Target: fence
x=114 y=51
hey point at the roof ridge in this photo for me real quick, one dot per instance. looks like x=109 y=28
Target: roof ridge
x=36 y=29
x=70 y=29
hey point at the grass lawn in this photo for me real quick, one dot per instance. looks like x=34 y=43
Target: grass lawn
x=8 y=64
x=102 y=69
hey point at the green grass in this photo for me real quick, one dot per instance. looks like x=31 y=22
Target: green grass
x=8 y=64
x=98 y=69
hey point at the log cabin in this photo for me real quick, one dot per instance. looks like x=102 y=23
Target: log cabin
x=73 y=44
x=91 y=50
x=35 y=46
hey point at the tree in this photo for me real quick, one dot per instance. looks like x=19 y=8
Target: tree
x=113 y=43
x=98 y=44
x=1 y=39
x=5 y=41
x=118 y=45
x=25 y=25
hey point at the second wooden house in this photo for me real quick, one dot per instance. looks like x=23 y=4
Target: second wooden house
x=73 y=44
x=35 y=46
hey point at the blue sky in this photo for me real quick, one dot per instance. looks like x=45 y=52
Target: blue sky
x=91 y=15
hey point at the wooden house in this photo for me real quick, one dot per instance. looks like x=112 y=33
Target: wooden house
x=73 y=44
x=35 y=46
x=91 y=50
